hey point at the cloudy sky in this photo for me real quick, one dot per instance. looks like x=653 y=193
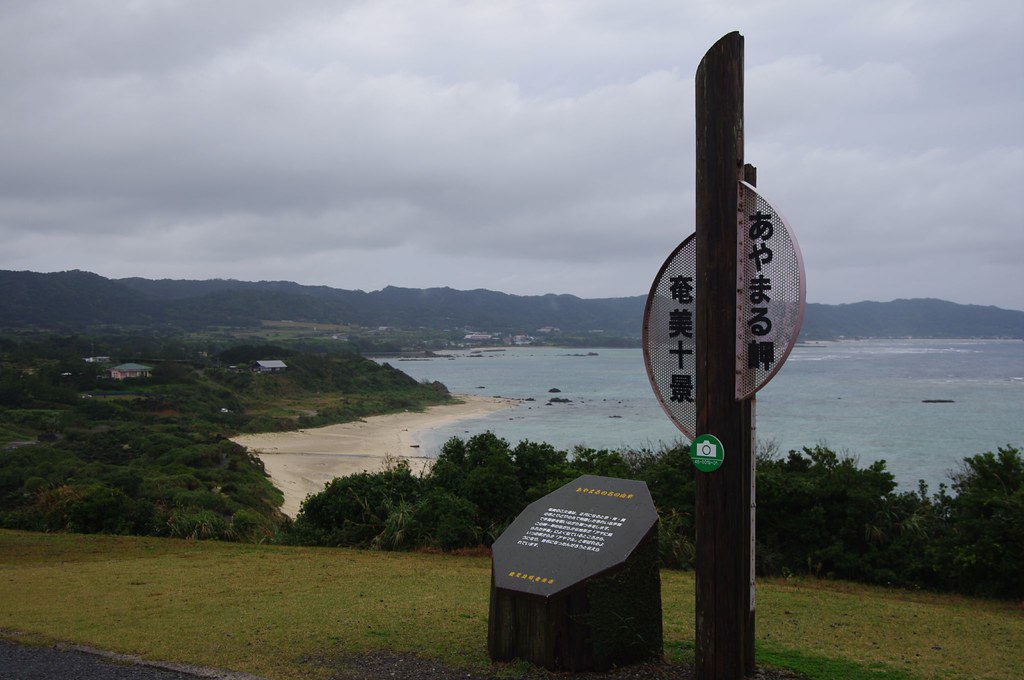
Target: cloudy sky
x=523 y=146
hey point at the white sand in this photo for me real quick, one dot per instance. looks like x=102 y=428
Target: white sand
x=300 y=463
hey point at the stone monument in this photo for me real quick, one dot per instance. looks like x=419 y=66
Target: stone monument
x=575 y=582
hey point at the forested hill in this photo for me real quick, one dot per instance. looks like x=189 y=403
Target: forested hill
x=76 y=301
x=920 y=318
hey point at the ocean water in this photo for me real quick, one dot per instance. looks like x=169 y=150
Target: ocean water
x=865 y=398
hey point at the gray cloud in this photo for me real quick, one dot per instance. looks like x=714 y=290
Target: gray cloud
x=519 y=146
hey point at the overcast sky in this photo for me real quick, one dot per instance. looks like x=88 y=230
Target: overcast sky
x=523 y=146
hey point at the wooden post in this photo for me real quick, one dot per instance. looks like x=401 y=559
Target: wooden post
x=723 y=502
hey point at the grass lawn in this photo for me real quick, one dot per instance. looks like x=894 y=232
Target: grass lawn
x=275 y=611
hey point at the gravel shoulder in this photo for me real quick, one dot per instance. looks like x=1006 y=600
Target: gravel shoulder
x=410 y=667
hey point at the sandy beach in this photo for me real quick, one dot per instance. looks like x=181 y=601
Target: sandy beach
x=300 y=463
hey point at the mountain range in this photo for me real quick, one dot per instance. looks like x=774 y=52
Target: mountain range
x=78 y=301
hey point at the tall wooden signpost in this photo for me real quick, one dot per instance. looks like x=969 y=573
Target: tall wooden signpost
x=722 y=316
x=723 y=500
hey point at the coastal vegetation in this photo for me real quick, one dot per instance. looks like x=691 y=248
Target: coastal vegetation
x=818 y=513
x=150 y=455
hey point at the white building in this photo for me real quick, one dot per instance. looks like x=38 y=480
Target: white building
x=269 y=366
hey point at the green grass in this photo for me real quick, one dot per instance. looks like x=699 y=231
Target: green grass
x=279 y=611
x=11 y=434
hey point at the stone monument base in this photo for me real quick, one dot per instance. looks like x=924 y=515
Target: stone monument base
x=610 y=619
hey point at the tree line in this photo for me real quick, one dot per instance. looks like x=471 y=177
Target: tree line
x=818 y=512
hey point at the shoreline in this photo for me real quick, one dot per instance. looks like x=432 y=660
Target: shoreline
x=301 y=462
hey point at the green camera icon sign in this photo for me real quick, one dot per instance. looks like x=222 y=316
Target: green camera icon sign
x=707 y=453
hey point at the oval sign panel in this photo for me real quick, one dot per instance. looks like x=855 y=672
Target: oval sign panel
x=669 y=340
x=770 y=291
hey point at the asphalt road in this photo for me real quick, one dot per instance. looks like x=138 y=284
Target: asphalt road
x=66 y=663
x=70 y=663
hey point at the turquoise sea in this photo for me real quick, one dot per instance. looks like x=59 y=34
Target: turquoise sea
x=866 y=398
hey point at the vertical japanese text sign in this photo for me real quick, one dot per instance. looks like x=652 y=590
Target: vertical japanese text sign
x=770 y=291
x=669 y=338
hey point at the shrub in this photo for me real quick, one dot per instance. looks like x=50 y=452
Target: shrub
x=984 y=549
x=446 y=521
x=675 y=539
x=398 y=527
x=197 y=524
x=540 y=469
x=353 y=510
x=251 y=527
x=604 y=463
x=102 y=509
